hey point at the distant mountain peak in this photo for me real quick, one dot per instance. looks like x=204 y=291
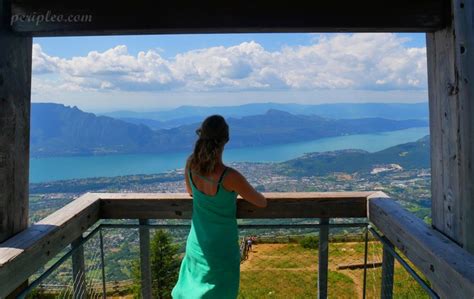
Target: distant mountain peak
x=278 y=112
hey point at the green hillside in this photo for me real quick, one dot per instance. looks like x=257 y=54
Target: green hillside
x=409 y=156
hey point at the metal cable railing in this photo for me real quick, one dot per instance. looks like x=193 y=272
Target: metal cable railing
x=398 y=278
x=360 y=263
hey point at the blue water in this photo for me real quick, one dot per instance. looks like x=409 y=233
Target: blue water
x=61 y=168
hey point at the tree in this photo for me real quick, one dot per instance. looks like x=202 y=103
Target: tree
x=165 y=265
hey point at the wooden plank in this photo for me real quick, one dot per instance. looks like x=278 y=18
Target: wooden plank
x=15 y=91
x=438 y=53
x=212 y=16
x=451 y=89
x=23 y=254
x=444 y=130
x=280 y=205
x=464 y=24
x=358 y=266
x=447 y=266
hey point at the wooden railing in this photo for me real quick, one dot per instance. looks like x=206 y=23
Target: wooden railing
x=449 y=268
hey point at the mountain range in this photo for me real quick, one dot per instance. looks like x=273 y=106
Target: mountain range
x=60 y=130
x=192 y=114
x=412 y=155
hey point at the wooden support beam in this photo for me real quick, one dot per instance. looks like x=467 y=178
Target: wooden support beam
x=280 y=205
x=88 y=17
x=15 y=86
x=451 y=91
x=145 y=260
x=102 y=266
x=15 y=90
x=323 y=259
x=78 y=270
x=388 y=268
x=448 y=267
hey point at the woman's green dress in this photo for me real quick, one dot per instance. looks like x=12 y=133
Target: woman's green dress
x=211 y=264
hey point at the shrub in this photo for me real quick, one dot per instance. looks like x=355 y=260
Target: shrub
x=311 y=242
x=165 y=265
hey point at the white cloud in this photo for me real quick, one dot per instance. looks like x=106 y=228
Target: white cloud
x=42 y=62
x=378 y=61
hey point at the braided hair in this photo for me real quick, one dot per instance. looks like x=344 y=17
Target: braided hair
x=213 y=135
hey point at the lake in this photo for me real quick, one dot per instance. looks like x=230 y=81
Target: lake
x=62 y=168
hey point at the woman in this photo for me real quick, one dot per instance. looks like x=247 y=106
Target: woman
x=211 y=264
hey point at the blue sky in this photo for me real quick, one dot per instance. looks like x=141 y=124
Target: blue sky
x=150 y=72
x=68 y=47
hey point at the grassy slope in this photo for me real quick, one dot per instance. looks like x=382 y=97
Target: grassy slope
x=290 y=271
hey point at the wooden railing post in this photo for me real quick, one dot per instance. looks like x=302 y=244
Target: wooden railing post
x=323 y=259
x=145 y=268
x=387 y=271
x=78 y=269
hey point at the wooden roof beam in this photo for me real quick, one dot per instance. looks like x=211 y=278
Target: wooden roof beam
x=108 y=17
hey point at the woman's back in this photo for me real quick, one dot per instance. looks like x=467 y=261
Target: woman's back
x=232 y=181
x=214 y=223
x=211 y=264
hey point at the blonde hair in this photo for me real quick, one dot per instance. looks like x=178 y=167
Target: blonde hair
x=213 y=135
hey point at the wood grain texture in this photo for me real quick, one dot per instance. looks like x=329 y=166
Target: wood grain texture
x=212 y=16
x=15 y=89
x=464 y=26
x=447 y=266
x=280 y=205
x=451 y=90
x=23 y=254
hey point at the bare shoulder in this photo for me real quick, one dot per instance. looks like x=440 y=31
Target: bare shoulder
x=232 y=179
x=233 y=174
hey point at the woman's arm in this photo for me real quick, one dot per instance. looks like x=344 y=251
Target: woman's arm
x=238 y=183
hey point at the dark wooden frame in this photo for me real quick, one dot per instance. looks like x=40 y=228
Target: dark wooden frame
x=450 y=45
x=212 y=16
